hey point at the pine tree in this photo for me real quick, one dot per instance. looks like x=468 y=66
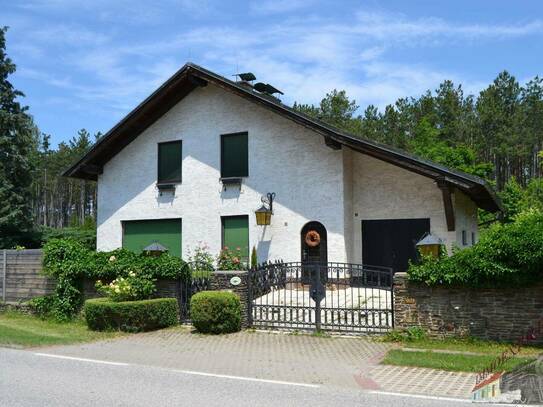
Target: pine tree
x=16 y=149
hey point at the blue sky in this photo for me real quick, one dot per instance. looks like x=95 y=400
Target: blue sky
x=87 y=63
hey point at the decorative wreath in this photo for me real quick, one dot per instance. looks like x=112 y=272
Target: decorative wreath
x=312 y=238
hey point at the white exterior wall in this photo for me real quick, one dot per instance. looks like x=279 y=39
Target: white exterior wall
x=385 y=191
x=284 y=158
x=312 y=182
x=466 y=218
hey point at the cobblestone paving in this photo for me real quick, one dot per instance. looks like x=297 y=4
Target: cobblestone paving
x=422 y=381
x=337 y=361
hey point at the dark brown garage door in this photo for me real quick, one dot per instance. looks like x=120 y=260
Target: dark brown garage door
x=391 y=242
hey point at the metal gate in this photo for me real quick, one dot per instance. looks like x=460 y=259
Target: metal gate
x=321 y=296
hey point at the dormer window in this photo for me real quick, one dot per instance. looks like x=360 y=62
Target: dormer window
x=169 y=162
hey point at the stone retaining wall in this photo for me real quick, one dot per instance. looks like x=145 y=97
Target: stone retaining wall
x=496 y=314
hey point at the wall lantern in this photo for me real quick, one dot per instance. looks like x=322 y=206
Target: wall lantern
x=265 y=212
x=155 y=249
x=429 y=245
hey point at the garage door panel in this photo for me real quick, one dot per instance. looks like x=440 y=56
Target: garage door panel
x=391 y=242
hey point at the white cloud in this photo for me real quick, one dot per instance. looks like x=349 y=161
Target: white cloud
x=266 y=7
x=398 y=27
x=304 y=57
x=371 y=53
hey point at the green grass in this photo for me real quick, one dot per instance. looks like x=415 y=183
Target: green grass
x=467 y=345
x=476 y=346
x=20 y=330
x=447 y=361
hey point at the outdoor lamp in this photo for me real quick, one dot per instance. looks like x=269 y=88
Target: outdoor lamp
x=265 y=212
x=429 y=245
x=155 y=249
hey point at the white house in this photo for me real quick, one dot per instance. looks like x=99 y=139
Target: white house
x=191 y=163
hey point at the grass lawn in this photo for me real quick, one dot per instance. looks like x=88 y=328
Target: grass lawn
x=20 y=330
x=447 y=361
x=469 y=345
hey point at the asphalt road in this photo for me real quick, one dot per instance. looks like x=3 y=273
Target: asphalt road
x=28 y=378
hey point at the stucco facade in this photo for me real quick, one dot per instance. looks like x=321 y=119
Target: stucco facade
x=312 y=182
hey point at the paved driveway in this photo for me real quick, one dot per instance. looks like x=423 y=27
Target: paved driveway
x=338 y=362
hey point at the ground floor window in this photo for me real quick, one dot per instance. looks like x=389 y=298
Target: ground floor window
x=138 y=234
x=235 y=234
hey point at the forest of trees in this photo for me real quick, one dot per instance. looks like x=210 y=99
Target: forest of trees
x=497 y=135
x=36 y=200
x=57 y=201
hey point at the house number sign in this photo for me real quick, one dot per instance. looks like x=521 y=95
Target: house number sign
x=235 y=280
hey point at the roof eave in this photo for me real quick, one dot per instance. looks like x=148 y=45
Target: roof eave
x=476 y=187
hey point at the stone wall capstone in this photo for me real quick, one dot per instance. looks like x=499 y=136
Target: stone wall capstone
x=490 y=313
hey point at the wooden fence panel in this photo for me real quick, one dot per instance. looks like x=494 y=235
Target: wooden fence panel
x=22 y=277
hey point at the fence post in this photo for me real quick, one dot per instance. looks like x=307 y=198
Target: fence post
x=250 y=275
x=4 y=267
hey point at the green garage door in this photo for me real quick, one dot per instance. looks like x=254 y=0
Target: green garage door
x=138 y=234
x=235 y=233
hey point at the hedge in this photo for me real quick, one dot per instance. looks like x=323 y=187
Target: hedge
x=102 y=314
x=507 y=255
x=215 y=312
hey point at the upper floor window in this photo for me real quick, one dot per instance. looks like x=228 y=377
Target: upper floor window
x=169 y=162
x=234 y=155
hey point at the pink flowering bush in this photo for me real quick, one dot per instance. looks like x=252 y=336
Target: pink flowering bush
x=229 y=259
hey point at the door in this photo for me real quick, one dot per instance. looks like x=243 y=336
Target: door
x=314 y=247
x=391 y=242
x=138 y=234
x=314 y=251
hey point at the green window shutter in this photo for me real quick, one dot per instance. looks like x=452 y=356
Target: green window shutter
x=235 y=233
x=169 y=161
x=139 y=234
x=234 y=155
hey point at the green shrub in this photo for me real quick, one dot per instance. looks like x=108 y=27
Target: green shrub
x=506 y=255
x=215 y=312
x=413 y=333
x=254 y=258
x=131 y=288
x=103 y=314
x=85 y=236
x=230 y=259
x=69 y=261
x=42 y=306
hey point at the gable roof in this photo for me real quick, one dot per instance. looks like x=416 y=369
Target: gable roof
x=191 y=76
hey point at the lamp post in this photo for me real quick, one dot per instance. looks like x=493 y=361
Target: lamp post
x=429 y=245
x=265 y=212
